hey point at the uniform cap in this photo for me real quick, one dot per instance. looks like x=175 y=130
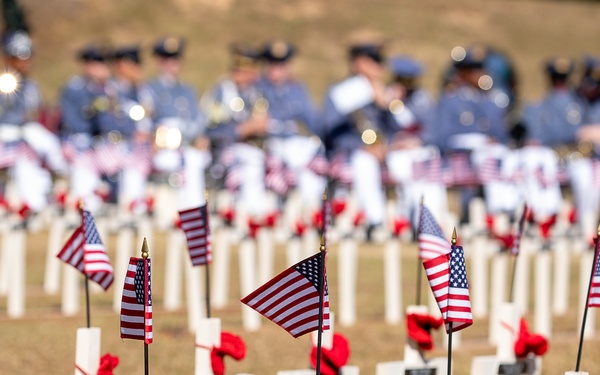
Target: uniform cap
x=17 y=44
x=131 y=53
x=403 y=66
x=278 y=51
x=95 y=52
x=371 y=50
x=560 y=66
x=473 y=58
x=169 y=47
x=243 y=56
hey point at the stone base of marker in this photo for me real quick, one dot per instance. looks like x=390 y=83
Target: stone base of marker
x=345 y=370
x=414 y=363
x=491 y=365
x=434 y=366
x=87 y=350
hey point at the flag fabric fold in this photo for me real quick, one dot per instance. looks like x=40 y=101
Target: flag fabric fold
x=291 y=299
x=594 y=297
x=432 y=242
x=85 y=251
x=194 y=223
x=136 y=302
x=447 y=277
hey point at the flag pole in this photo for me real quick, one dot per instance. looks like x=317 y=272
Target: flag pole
x=587 y=300
x=419 y=266
x=515 y=252
x=449 y=371
x=86 y=284
x=87 y=300
x=321 y=293
x=207 y=270
x=145 y=257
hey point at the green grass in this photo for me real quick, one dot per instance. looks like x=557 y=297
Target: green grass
x=530 y=31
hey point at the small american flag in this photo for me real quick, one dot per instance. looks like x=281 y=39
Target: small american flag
x=291 y=299
x=194 y=223
x=460 y=169
x=136 y=303
x=447 y=277
x=428 y=170
x=84 y=250
x=432 y=242
x=490 y=170
x=594 y=297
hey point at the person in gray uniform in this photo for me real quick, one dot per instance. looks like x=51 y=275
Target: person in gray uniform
x=237 y=127
x=84 y=103
x=123 y=143
x=293 y=129
x=182 y=149
x=359 y=126
x=469 y=116
x=29 y=150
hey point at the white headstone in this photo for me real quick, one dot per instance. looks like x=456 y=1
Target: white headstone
x=543 y=319
x=16 y=286
x=70 y=290
x=56 y=238
x=562 y=266
x=87 y=350
x=266 y=257
x=220 y=267
x=124 y=252
x=195 y=301
x=173 y=269
x=293 y=251
x=208 y=336
x=347 y=261
x=247 y=254
x=479 y=276
x=393 y=281
x=497 y=297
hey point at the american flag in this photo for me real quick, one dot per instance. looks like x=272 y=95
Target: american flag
x=596 y=173
x=490 y=170
x=428 y=170
x=84 y=250
x=447 y=277
x=194 y=223
x=136 y=303
x=594 y=297
x=460 y=170
x=432 y=242
x=291 y=299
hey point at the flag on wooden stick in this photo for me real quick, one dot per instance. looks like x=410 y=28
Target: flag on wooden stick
x=194 y=223
x=447 y=277
x=432 y=242
x=292 y=298
x=136 y=303
x=85 y=251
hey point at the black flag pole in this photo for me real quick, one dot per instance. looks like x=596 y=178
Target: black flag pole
x=207 y=270
x=86 y=282
x=321 y=294
x=145 y=257
x=87 y=300
x=419 y=266
x=515 y=251
x=449 y=371
x=587 y=300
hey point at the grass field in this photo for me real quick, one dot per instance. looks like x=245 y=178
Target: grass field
x=43 y=341
x=529 y=31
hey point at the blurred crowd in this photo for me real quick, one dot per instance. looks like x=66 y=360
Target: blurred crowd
x=258 y=134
